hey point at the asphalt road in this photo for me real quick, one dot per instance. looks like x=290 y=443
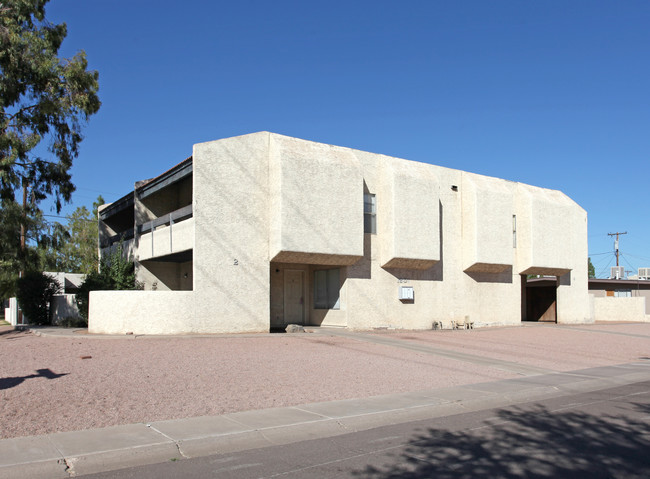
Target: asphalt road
x=600 y=434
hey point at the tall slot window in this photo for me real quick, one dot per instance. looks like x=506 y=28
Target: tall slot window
x=369 y=213
x=514 y=231
x=327 y=283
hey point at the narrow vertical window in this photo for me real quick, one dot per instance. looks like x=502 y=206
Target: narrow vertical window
x=514 y=231
x=369 y=213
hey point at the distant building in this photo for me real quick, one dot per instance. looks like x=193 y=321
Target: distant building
x=621 y=288
x=260 y=231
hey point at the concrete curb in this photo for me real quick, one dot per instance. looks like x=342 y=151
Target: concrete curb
x=68 y=454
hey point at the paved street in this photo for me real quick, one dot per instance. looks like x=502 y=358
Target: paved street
x=600 y=434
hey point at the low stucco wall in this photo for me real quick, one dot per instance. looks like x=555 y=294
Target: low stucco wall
x=620 y=309
x=141 y=312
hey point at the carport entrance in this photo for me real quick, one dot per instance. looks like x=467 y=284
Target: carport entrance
x=539 y=299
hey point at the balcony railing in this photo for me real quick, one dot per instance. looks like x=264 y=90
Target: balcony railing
x=149 y=228
x=166 y=235
x=168 y=219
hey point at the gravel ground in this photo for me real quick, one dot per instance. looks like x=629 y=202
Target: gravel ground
x=556 y=347
x=52 y=384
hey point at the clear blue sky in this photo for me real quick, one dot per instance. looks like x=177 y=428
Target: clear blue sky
x=553 y=93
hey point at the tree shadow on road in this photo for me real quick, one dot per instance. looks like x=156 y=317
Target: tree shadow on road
x=7 y=383
x=530 y=442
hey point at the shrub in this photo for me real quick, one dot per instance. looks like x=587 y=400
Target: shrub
x=34 y=294
x=72 y=322
x=116 y=272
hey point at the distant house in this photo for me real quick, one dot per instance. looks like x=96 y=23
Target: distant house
x=263 y=230
x=64 y=305
x=636 y=308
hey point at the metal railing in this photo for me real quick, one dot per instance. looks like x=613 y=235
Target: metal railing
x=148 y=227
x=168 y=219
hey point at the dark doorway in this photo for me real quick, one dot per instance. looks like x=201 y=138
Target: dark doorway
x=539 y=299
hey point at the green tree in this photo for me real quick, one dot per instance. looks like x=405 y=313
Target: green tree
x=39 y=235
x=34 y=294
x=44 y=102
x=591 y=269
x=76 y=252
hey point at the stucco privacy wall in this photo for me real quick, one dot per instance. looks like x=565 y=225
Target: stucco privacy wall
x=231 y=238
x=620 y=309
x=141 y=312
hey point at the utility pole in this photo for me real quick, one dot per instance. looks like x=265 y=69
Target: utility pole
x=616 y=243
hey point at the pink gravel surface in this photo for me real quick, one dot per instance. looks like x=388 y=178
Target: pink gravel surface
x=128 y=380
x=52 y=384
x=549 y=346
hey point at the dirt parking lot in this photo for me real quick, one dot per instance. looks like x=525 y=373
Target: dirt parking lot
x=50 y=384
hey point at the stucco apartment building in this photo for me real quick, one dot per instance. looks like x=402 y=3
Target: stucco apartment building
x=262 y=230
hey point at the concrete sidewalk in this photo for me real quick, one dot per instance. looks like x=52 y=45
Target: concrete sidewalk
x=69 y=454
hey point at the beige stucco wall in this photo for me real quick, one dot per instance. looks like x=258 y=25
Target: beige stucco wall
x=488 y=209
x=263 y=202
x=231 y=251
x=550 y=227
x=443 y=292
x=314 y=196
x=142 y=312
x=620 y=309
x=408 y=216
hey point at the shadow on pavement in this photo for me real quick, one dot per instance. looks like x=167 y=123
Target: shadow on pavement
x=531 y=443
x=7 y=383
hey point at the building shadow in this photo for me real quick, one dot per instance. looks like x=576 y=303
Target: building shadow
x=8 y=383
x=530 y=442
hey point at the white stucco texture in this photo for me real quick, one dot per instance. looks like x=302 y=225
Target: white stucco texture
x=231 y=217
x=269 y=211
x=141 y=312
x=488 y=224
x=620 y=309
x=409 y=221
x=315 y=191
x=551 y=230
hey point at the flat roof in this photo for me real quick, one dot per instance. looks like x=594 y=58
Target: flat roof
x=172 y=175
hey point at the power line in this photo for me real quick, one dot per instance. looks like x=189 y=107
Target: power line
x=68 y=218
x=605 y=268
x=638 y=257
x=628 y=263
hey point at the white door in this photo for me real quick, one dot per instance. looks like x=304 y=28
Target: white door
x=294 y=303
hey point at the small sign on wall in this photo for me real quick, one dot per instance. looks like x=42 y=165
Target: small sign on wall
x=406 y=293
